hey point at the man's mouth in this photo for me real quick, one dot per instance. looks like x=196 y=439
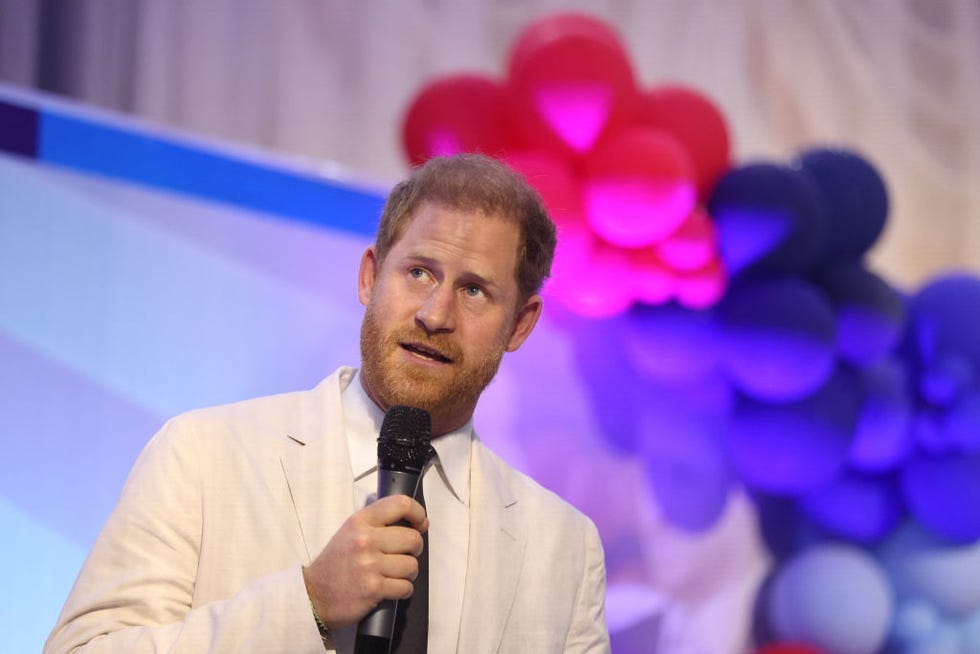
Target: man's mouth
x=426 y=352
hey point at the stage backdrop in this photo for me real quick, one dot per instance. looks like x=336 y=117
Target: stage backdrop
x=143 y=274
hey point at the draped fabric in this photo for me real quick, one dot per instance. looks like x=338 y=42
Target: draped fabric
x=898 y=80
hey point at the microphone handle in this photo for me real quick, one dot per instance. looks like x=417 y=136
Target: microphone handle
x=374 y=631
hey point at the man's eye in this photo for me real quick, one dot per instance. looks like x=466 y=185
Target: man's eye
x=473 y=290
x=416 y=273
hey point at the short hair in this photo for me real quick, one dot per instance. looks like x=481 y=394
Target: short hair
x=474 y=182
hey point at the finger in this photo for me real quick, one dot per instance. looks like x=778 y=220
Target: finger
x=400 y=566
x=397 y=589
x=391 y=509
x=398 y=540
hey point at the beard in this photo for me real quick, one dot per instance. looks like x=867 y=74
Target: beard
x=443 y=393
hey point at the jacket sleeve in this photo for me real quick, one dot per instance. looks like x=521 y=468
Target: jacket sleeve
x=135 y=592
x=588 y=632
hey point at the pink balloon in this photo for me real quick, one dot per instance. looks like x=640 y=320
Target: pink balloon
x=589 y=277
x=639 y=187
x=693 y=245
x=700 y=289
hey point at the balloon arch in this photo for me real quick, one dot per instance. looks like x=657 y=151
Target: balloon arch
x=736 y=297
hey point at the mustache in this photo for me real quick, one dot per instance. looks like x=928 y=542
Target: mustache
x=439 y=342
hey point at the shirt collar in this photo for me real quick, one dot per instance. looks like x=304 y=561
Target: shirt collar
x=363 y=418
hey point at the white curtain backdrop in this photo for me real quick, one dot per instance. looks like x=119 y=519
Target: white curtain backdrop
x=898 y=80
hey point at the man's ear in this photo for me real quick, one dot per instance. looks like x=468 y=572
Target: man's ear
x=524 y=322
x=367 y=275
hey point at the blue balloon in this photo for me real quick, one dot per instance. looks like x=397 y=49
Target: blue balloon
x=883 y=435
x=859 y=508
x=672 y=343
x=833 y=596
x=942 y=492
x=770 y=219
x=684 y=460
x=779 y=338
x=855 y=196
x=796 y=447
x=961 y=422
x=924 y=568
x=870 y=313
x=945 y=314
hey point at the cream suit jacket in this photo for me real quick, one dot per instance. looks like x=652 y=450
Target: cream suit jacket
x=203 y=552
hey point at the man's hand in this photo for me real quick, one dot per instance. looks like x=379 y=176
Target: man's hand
x=367 y=560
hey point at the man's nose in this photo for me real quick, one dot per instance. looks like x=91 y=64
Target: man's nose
x=438 y=312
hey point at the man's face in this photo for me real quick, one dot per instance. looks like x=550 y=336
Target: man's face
x=442 y=308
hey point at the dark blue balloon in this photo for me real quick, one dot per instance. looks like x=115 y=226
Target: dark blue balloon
x=883 y=437
x=942 y=492
x=857 y=507
x=779 y=339
x=870 y=313
x=855 y=197
x=796 y=447
x=770 y=219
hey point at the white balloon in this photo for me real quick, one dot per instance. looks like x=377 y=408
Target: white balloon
x=833 y=596
x=923 y=567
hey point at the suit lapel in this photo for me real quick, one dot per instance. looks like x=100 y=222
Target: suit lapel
x=496 y=554
x=316 y=464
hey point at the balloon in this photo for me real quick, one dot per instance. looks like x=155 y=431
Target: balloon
x=555 y=181
x=945 y=314
x=943 y=493
x=927 y=569
x=883 y=435
x=684 y=462
x=672 y=344
x=697 y=123
x=970 y=634
x=638 y=187
x=795 y=447
x=789 y=648
x=870 y=313
x=859 y=508
x=834 y=596
x=653 y=281
x=703 y=288
x=915 y=621
x=961 y=423
x=780 y=338
x=692 y=245
x=590 y=278
x=856 y=198
x=944 y=378
x=457 y=113
x=571 y=82
x=770 y=219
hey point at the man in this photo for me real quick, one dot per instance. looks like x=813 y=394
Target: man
x=250 y=527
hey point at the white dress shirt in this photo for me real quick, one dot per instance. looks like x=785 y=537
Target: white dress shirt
x=447 y=498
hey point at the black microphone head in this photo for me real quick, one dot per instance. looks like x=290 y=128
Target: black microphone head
x=404 y=440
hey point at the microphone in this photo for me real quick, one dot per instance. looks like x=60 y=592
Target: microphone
x=404 y=451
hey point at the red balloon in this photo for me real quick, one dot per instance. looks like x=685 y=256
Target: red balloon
x=555 y=182
x=789 y=648
x=697 y=123
x=458 y=113
x=638 y=187
x=570 y=82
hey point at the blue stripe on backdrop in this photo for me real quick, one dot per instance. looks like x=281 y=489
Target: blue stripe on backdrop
x=18 y=129
x=147 y=160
